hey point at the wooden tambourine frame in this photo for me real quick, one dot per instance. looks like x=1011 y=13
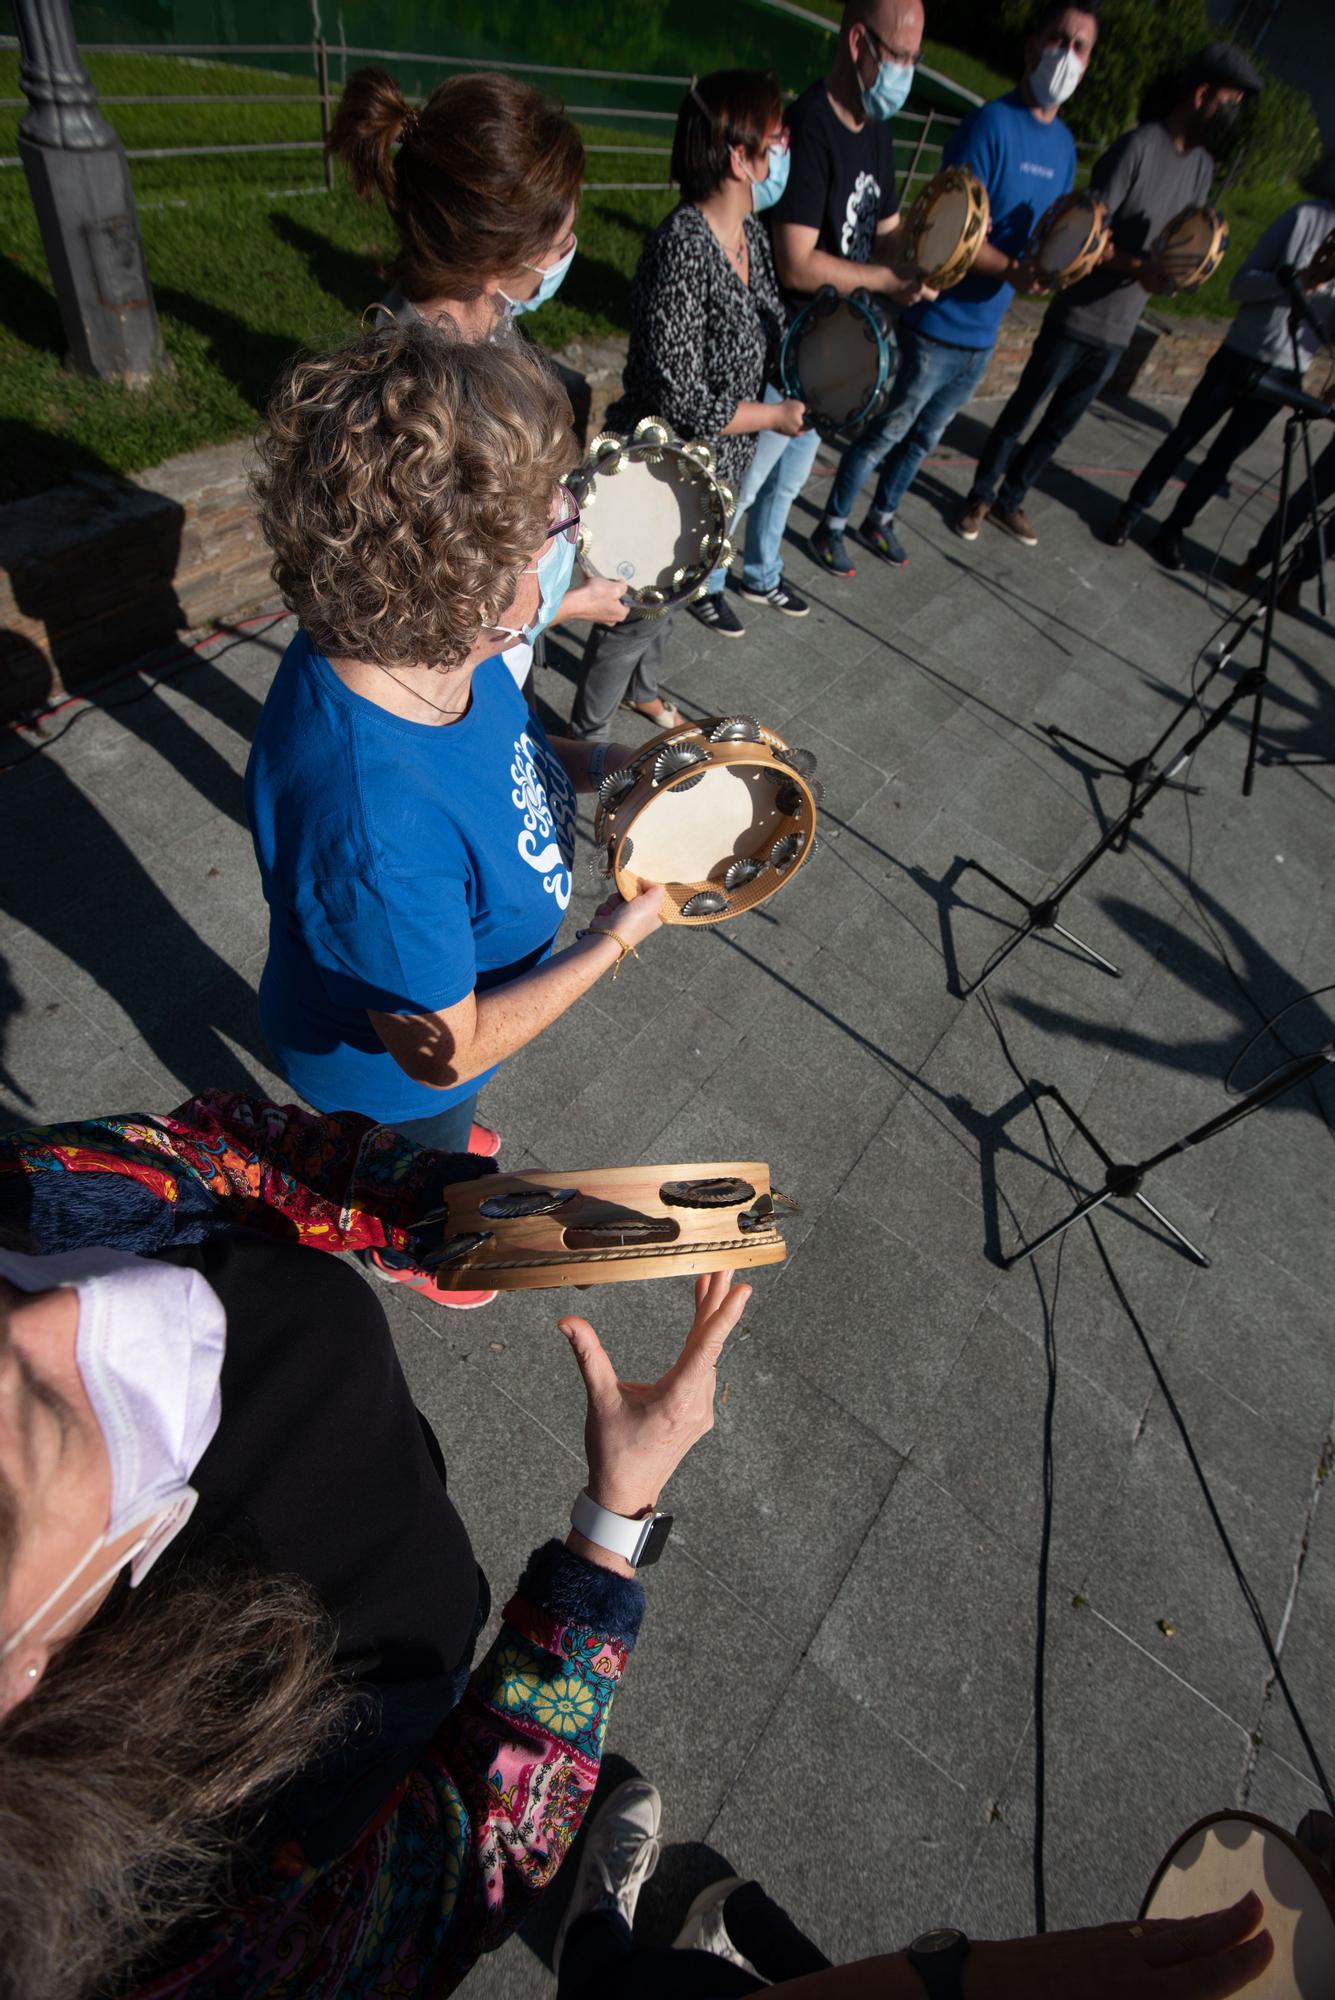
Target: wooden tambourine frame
x=593 y=484
x=604 y=1226
x=677 y=761
x=973 y=231
x=849 y=422
x=1222 y=1875
x=1091 y=250
x=1166 y=250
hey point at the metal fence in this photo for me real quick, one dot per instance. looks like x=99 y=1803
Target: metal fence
x=927 y=131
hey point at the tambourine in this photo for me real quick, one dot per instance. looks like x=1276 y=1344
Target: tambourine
x=839 y=356
x=721 y=812
x=1219 y=1859
x=603 y=1225
x=947 y=226
x=654 y=515
x=1191 y=247
x=1069 y=239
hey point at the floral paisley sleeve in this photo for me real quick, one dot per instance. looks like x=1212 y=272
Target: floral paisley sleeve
x=463 y=1846
x=222 y=1162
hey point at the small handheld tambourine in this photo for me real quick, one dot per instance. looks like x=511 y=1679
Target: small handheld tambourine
x=654 y=516
x=947 y=226
x=603 y=1225
x=721 y=812
x=1069 y=239
x=1191 y=247
x=1216 y=1862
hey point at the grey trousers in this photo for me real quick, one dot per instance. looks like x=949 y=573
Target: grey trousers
x=620 y=664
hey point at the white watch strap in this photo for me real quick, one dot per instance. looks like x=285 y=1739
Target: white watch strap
x=619 y=1533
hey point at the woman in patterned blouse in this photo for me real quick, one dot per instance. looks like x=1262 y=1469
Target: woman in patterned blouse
x=706 y=322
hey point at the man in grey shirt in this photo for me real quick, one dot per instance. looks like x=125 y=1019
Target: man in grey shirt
x=1146 y=178
x=1259 y=341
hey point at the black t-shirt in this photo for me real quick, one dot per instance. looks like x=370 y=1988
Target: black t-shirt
x=322 y=1468
x=840 y=183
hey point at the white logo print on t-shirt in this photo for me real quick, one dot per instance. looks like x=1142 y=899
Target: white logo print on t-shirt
x=855 y=238
x=546 y=819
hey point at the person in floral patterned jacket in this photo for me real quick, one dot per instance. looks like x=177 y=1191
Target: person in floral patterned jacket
x=241 y=1747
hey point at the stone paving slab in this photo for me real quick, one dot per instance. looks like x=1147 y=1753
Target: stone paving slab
x=835 y=1689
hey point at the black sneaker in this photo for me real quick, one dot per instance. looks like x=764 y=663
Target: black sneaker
x=783 y=598
x=881 y=536
x=827 y=545
x=1166 y=548
x=714 y=610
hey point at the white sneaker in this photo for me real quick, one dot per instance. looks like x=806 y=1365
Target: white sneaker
x=705 y=1929
x=620 y=1854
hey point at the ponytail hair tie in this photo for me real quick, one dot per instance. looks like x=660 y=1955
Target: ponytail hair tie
x=694 y=93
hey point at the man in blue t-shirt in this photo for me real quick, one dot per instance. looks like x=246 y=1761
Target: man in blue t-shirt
x=1025 y=157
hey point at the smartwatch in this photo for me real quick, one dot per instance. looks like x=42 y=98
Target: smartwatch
x=938 y=1959
x=638 y=1539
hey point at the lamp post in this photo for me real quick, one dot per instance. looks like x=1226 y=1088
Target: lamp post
x=80 y=185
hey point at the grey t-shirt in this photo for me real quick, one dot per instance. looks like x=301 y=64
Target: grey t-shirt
x=1145 y=182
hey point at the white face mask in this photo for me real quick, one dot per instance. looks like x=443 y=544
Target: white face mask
x=149 y=1351
x=1055 y=77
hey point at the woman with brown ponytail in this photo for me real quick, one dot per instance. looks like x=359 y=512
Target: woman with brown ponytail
x=482 y=185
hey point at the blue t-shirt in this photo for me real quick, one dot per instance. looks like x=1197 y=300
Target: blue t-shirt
x=404 y=866
x=1024 y=164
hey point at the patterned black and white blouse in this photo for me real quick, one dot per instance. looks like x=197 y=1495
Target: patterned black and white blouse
x=701 y=341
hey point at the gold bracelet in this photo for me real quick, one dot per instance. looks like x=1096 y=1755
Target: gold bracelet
x=626 y=950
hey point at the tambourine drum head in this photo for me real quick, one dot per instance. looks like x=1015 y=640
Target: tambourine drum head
x=942 y=229
x=1063 y=244
x=1191 y=238
x=837 y=363
x=692 y=835
x=642 y=512
x=1219 y=1861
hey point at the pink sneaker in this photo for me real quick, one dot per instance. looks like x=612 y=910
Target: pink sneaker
x=423 y=1282
x=483 y=1141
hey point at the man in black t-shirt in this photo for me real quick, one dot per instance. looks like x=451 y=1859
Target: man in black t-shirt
x=838 y=222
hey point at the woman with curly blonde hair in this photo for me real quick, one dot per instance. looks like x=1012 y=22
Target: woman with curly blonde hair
x=413 y=825
x=482 y=185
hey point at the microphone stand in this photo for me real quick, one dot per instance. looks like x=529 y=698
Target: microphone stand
x=1045 y=914
x=1121 y=1182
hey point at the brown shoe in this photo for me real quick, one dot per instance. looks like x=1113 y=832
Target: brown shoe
x=1016 y=522
x=971 y=520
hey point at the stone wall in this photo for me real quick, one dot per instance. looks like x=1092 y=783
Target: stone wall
x=106 y=570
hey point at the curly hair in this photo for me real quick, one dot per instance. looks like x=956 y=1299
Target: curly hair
x=482 y=180
x=405 y=481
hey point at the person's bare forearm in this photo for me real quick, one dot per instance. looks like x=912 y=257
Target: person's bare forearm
x=808 y=273
x=508 y=1017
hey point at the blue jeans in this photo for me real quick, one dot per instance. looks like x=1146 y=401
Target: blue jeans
x=776 y=475
x=1074 y=371
x=934 y=381
x=441 y=1131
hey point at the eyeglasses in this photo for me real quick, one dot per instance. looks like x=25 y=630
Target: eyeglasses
x=886 y=54
x=778 y=142
x=568 y=525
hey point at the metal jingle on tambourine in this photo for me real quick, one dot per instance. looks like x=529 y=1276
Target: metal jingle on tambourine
x=742 y=871
x=651 y=600
x=705 y=903
x=675 y=757
x=701 y=455
x=789 y=799
x=760 y=1215
x=453 y=1248
x=723 y=1192
x=601 y=866
x=785 y=852
x=621 y=1230
x=525 y=1201
x=736 y=729
x=652 y=430
x=615 y=786
x=801 y=761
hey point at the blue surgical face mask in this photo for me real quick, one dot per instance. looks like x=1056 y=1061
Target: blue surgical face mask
x=888 y=91
x=765 y=193
x=551 y=283
x=553 y=570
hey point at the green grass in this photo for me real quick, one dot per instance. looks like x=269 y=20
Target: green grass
x=967 y=71
x=244 y=277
